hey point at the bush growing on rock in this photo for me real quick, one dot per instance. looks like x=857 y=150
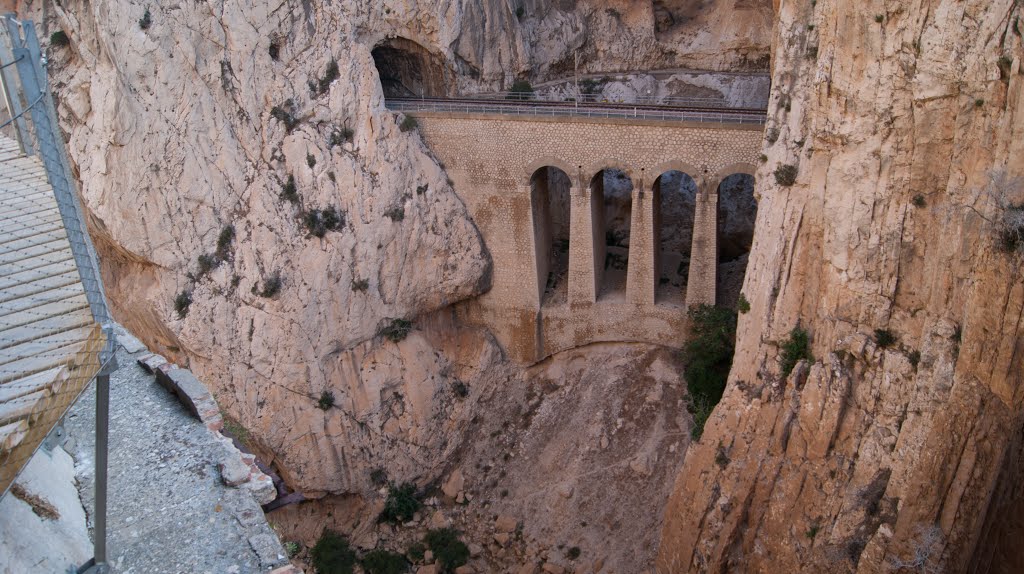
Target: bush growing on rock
x=271 y=287
x=284 y=115
x=449 y=551
x=884 y=338
x=384 y=562
x=401 y=504
x=360 y=285
x=227 y=235
x=182 y=303
x=326 y=400
x=708 y=355
x=319 y=222
x=59 y=39
x=146 y=21
x=395 y=330
x=708 y=352
x=332 y=554
x=395 y=214
x=332 y=73
x=289 y=191
x=795 y=349
x=785 y=175
x=408 y=124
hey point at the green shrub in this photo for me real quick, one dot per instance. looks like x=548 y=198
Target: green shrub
x=772 y=135
x=292 y=548
x=332 y=554
x=59 y=39
x=396 y=213
x=460 y=389
x=379 y=476
x=884 y=338
x=326 y=400
x=384 y=562
x=795 y=349
x=409 y=123
x=708 y=351
x=310 y=160
x=700 y=408
x=224 y=239
x=448 y=550
x=289 y=191
x=341 y=135
x=520 y=90
x=421 y=189
x=919 y=201
x=271 y=287
x=1011 y=229
x=416 y=551
x=207 y=263
x=182 y=303
x=319 y=222
x=402 y=503
x=879 y=18
x=284 y=114
x=785 y=175
x=360 y=284
x=914 y=357
x=520 y=12
x=742 y=305
x=813 y=531
x=146 y=21
x=573 y=553
x=979 y=103
x=332 y=73
x=395 y=330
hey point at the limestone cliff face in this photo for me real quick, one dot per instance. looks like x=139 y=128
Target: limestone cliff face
x=267 y=118
x=906 y=124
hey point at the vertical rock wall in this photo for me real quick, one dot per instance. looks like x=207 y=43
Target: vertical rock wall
x=905 y=123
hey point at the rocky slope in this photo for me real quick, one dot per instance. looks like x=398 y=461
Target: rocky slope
x=897 y=448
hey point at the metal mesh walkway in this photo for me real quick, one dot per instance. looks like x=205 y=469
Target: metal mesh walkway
x=49 y=339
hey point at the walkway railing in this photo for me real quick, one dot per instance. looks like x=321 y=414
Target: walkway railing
x=56 y=333
x=534 y=108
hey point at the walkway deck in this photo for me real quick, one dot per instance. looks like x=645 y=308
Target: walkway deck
x=49 y=341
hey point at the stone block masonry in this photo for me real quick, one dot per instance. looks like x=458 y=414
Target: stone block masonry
x=492 y=159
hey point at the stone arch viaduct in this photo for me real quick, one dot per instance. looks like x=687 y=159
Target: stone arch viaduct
x=493 y=159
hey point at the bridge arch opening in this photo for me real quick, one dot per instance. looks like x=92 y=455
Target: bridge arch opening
x=737 y=213
x=612 y=200
x=674 y=202
x=407 y=69
x=549 y=199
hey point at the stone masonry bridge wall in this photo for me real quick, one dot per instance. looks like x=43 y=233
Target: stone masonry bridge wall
x=491 y=160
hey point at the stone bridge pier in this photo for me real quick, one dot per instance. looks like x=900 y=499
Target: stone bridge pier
x=572 y=212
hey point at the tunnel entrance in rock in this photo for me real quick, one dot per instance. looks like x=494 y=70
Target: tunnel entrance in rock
x=612 y=194
x=737 y=213
x=549 y=197
x=407 y=69
x=674 y=201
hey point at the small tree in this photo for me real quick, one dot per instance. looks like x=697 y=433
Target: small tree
x=795 y=349
x=332 y=554
x=785 y=175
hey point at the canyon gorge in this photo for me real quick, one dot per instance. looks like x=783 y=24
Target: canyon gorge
x=321 y=262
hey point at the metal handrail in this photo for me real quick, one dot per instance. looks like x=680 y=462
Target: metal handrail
x=524 y=109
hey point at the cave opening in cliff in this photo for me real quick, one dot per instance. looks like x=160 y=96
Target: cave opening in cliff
x=407 y=69
x=612 y=200
x=549 y=197
x=674 y=201
x=737 y=213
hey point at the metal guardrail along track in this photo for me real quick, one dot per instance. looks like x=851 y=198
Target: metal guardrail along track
x=570 y=109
